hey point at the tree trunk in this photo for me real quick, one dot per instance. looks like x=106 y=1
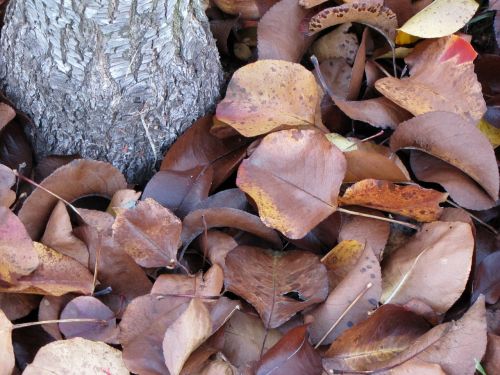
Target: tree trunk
x=113 y=80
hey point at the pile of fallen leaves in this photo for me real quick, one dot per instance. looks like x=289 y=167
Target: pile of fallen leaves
x=326 y=221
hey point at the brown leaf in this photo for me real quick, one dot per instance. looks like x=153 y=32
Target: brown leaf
x=216 y=245
x=77 y=356
x=7 y=114
x=442 y=79
x=185 y=334
x=7 y=359
x=290 y=199
x=198 y=221
x=71 y=181
x=408 y=200
x=17 y=255
x=125 y=198
x=455 y=346
x=292 y=355
x=358 y=68
x=257 y=89
x=322 y=237
x=50 y=309
x=417 y=367
x=246 y=9
x=277 y=284
x=492 y=357
x=487 y=279
x=368 y=345
x=244 y=336
x=448 y=137
x=376 y=16
x=337 y=76
x=17 y=306
x=338 y=43
x=87 y=307
x=46 y=166
x=341 y=259
x=278 y=32
x=219 y=367
x=433 y=266
x=365 y=272
x=7 y=179
x=56 y=275
x=149 y=233
x=59 y=235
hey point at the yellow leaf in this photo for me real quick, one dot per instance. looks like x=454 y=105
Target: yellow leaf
x=440 y=18
x=404 y=38
x=492 y=133
x=341 y=142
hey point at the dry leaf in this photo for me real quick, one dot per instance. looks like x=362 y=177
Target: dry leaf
x=487 y=279
x=440 y=18
x=7 y=114
x=290 y=199
x=17 y=255
x=433 y=266
x=257 y=89
x=17 y=306
x=365 y=272
x=7 y=179
x=341 y=259
x=246 y=9
x=417 y=367
x=409 y=200
x=125 y=198
x=149 y=233
x=71 y=181
x=216 y=245
x=77 y=357
x=7 y=359
x=338 y=43
x=492 y=357
x=50 y=309
x=277 y=284
x=185 y=334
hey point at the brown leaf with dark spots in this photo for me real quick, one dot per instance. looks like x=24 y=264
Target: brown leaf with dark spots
x=408 y=200
x=257 y=89
x=198 y=221
x=338 y=43
x=448 y=137
x=368 y=345
x=433 y=266
x=17 y=255
x=87 y=307
x=277 y=284
x=149 y=233
x=292 y=355
x=365 y=280
x=336 y=75
x=290 y=199
x=71 y=181
x=487 y=279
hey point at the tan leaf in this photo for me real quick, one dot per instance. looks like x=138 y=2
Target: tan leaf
x=433 y=266
x=56 y=275
x=7 y=359
x=290 y=199
x=149 y=233
x=417 y=367
x=217 y=245
x=337 y=76
x=125 y=198
x=77 y=357
x=441 y=78
x=258 y=89
x=7 y=179
x=448 y=137
x=17 y=255
x=365 y=272
x=341 y=259
x=277 y=284
x=338 y=43
x=185 y=334
x=246 y=9
x=71 y=181
x=408 y=200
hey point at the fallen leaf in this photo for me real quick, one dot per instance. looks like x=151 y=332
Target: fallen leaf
x=448 y=137
x=322 y=237
x=277 y=284
x=125 y=198
x=292 y=355
x=17 y=255
x=77 y=356
x=246 y=9
x=87 y=307
x=363 y=281
x=257 y=89
x=199 y=359
x=56 y=275
x=441 y=78
x=405 y=9
x=409 y=200
x=376 y=16
x=358 y=68
x=7 y=180
x=244 y=335
x=492 y=357
x=232 y=198
x=433 y=266
x=293 y=200
x=440 y=18
x=149 y=233
x=337 y=76
x=71 y=181
x=278 y=32
x=491 y=132
x=17 y=306
x=341 y=259
x=487 y=279
x=390 y=330
x=46 y=166
x=338 y=43
x=185 y=334
x=50 y=309
x=417 y=367
x=15 y=148
x=7 y=114
x=216 y=245
x=7 y=359
x=218 y=367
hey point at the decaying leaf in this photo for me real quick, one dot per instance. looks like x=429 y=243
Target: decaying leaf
x=409 y=200
x=439 y=256
x=277 y=284
x=492 y=356
x=487 y=280
x=7 y=359
x=149 y=233
x=338 y=43
x=257 y=89
x=341 y=259
x=77 y=357
x=16 y=306
x=247 y=9
x=289 y=199
x=7 y=179
x=185 y=334
x=216 y=245
x=50 y=309
x=440 y=18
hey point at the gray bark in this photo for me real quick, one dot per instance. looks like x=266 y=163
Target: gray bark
x=113 y=80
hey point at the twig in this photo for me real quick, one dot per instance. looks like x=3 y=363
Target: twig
x=356 y=213
x=76 y=320
x=493 y=230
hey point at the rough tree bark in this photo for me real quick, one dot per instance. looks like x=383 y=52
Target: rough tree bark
x=114 y=80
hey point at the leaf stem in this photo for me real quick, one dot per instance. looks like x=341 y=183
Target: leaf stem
x=356 y=213
x=489 y=227
x=76 y=320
